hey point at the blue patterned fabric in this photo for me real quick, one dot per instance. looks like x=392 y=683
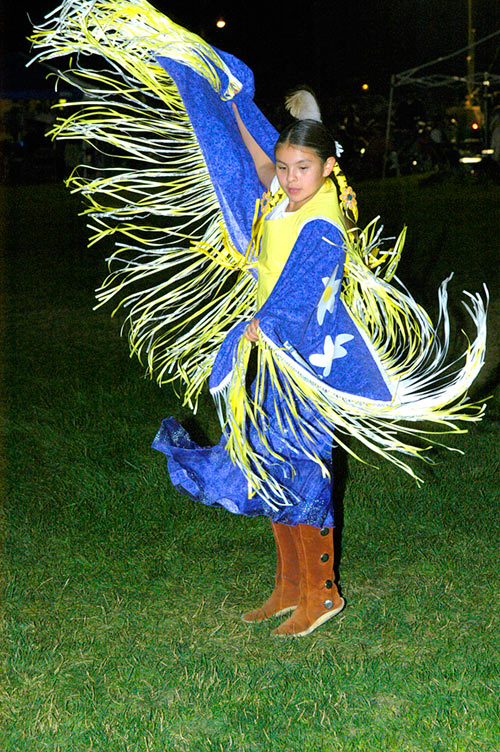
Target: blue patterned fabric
x=321 y=338
x=207 y=474
x=228 y=161
x=292 y=313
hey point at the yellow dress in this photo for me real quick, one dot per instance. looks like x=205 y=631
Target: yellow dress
x=281 y=229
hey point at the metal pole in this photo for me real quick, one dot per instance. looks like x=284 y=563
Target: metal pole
x=388 y=125
x=470 y=55
x=486 y=110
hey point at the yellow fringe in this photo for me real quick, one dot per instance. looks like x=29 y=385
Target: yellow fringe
x=412 y=357
x=182 y=281
x=164 y=218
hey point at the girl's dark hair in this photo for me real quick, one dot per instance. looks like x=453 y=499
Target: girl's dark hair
x=311 y=134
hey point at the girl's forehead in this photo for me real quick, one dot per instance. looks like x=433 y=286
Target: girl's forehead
x=293 y=153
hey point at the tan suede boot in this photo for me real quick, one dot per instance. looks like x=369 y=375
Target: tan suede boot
x=285 y=595
x=319 y=595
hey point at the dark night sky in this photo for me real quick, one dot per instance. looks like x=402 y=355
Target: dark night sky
x=334 y=47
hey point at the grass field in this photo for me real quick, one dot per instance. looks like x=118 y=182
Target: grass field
x=121 y=626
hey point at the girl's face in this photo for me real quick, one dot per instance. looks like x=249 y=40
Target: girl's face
x=301 y=173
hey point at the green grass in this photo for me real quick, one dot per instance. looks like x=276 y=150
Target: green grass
x=121 y=626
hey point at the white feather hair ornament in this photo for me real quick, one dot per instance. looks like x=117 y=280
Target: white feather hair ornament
x=302 y=105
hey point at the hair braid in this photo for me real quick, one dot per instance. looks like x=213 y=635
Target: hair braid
x=347 y=196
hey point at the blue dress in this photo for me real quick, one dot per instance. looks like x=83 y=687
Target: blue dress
x=309 y=240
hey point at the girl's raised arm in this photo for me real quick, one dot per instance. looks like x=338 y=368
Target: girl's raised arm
x=264 y=166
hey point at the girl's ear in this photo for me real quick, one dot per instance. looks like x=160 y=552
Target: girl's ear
x=328 y=166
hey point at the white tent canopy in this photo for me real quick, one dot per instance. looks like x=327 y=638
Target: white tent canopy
x=416 y=77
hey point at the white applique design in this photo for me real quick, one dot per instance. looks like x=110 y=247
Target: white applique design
x=331 y=352
x=327 y=300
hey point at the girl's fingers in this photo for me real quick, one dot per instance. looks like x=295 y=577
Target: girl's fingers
x=252 y=331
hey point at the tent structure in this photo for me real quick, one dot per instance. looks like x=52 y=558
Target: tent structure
x=416 y=77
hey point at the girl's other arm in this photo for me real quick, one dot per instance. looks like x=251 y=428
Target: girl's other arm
x=265 y=168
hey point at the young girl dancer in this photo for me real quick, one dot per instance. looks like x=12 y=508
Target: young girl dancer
x=204 y=278
x=303 y=523
x=304 y=154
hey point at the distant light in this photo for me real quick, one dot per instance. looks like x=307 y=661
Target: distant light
x=220 y=23
x=475 y=126
x=470 y=160
x=362 y=150
x=488 y=151
x=365 y=87
x=414 y=163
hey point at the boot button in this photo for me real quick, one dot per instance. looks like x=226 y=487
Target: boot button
x=328 y=604
x=329 y=584
x=324 y=531
x=324 y=557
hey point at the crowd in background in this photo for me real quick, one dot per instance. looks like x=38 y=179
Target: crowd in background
x=418 y=141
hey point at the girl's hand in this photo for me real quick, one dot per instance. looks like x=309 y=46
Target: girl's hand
x=252 y=331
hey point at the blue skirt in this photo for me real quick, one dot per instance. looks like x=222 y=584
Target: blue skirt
x=208 y=475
